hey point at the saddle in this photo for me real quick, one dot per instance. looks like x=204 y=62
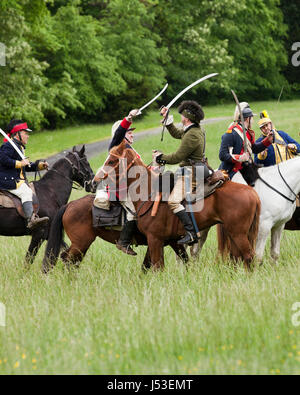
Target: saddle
x=211 y=184
x=8 y=200
x=114 y=217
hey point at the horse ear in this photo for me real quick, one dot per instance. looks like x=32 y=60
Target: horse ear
x=82 y=152
x=74 y=148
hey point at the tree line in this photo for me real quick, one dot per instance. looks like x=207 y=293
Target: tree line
x=73 y=61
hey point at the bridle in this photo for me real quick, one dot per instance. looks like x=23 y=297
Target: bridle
x=76 y=170
x=109 y=174
x=275 y=190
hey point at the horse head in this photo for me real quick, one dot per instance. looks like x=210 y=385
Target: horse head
x=82 y=172
x=118 y=163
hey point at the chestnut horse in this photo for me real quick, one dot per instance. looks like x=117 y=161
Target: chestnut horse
x=235 y=206
x=76 y=219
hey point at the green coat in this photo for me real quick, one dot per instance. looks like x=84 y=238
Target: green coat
x=191 y=147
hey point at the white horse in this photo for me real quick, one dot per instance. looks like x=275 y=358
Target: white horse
x=278 y=203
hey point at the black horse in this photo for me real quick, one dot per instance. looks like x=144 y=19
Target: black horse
x=53 y=191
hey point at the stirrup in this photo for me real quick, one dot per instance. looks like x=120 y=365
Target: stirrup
x=190 y=238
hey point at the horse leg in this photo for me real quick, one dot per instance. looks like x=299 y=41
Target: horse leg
x=242 y=243
x=263 y=233
x=35 y=244
x=80 y=243
x=275 y=242
x=147 y=262
x=180 y=251
x=156 y=248
x=196 y=249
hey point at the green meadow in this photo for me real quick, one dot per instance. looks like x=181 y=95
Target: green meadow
x=108 y=318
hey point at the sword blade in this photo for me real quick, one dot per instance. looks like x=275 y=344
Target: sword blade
x=242 y=120
x=151 y=101
x=189 y=87
x=12 y=144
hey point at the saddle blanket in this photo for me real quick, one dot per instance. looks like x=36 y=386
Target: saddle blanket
x=8 y=200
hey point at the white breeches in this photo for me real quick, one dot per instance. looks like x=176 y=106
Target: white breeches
x=128 y=205
x=24 y=193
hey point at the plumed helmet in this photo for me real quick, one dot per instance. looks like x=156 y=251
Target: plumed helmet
x=191 y=110
x=264 y=119
x=236 y=116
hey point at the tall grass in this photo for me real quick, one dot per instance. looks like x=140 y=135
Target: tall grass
x=109 y=318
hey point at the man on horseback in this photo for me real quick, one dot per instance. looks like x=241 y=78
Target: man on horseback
x=283 y=148
x=13 y=171
x=190 y=152
x=122 y=130
x=233 y=154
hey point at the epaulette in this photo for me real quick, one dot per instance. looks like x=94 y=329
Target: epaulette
x=229 y=131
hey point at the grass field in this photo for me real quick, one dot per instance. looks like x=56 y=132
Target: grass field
x=46 y=143
x=109 y=318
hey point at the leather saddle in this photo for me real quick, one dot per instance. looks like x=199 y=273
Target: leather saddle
x=166 y=182
x=114 y=217
x=8 y=200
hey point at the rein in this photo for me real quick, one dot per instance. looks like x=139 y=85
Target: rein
x=108 y=174
x=275 y=190
x=77 y=186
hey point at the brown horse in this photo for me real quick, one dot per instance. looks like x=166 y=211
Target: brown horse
x=236 y=206
x=76 y=219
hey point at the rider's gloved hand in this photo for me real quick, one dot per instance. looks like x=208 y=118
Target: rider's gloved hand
x=43 y=165
x=132 y=114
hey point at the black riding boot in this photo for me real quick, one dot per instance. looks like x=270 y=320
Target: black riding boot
x=190 y=237
x=33 y=221
x=126 y=236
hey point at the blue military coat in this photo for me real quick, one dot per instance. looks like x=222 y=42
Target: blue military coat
x=232 y=139
x=9 y=174
x=270 y=158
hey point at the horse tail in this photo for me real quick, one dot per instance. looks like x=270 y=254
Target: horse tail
x=253 y=231
x=223 y=240
x=55 y=240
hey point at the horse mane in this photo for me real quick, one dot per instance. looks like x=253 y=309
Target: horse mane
x=120 y=149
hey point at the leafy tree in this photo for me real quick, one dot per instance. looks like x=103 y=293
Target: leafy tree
x=188 y=31
x=131 y=41
x=72 y=44
x=291 y=12
x=255 y=38
x=22 y=83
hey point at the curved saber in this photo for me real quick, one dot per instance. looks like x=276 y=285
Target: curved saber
x=151 y=101
x=189 y=87
x=13 y=144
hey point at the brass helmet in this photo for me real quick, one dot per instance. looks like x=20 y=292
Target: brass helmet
x=264 y=119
